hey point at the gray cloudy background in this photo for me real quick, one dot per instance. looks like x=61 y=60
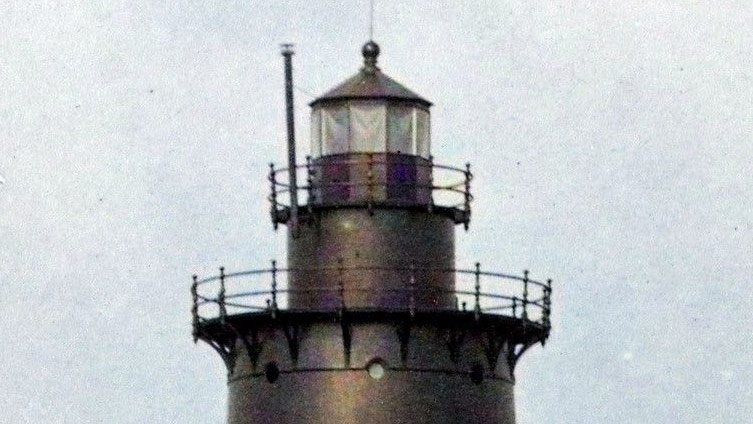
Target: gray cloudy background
x=612 y=143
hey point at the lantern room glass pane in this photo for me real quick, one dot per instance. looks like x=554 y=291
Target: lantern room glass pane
x=367 y=127
x=400 y=130
x=423 y=133
x=316 y=133
x=334 y=130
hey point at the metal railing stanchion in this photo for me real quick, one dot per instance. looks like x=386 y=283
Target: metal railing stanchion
x=431 y=184
x=310 y=185
x=525 y=295
x=274 y=288
x=221 y=296
x=273 y=196
x=477 y=291
x=412 y=299
x=195 y=308
x=547 y=304
x=341 y=284
x=370 y=183
x=467 y=203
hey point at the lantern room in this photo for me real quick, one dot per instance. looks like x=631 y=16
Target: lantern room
x=371 y=148
x=370 y=113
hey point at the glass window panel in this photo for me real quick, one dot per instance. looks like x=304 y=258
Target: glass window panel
x=423 y=133
x=334 y=130
x=400 y=129
x=368 y=127
x=316 y=133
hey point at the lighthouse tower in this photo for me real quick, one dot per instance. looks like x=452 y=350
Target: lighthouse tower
x=370 y=320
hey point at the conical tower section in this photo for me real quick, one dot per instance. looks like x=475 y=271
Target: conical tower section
x=371 y=320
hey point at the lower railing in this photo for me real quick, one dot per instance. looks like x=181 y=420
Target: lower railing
x=476 y=291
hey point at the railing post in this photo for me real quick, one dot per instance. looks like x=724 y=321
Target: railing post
x=274 y=288
x=525 y=295
x=221 y=296
x=412 y=299
x=467 y=203
x=370 y=183
x=341 y=284
x=431 y=183
x=477 y=291
x=547 y=304
x=195 y=308
x=309 y=184
x=273 y=196
x=514 y=307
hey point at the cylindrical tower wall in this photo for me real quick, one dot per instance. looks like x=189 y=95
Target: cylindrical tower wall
x=383 y=258
x=324 y=385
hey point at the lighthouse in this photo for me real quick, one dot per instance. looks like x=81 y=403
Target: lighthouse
x=370 y=319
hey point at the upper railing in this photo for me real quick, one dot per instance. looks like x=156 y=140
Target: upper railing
x=373 y=180
x=477 y=291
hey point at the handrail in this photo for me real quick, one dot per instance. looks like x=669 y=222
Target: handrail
x=376 y=268
x=491 y=293
x=362 y=189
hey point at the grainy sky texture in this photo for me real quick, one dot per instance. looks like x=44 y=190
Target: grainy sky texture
x=612 y=143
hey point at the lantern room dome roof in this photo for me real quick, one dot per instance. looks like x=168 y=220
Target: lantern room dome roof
x=370 y=83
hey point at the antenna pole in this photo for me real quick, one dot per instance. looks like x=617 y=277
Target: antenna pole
x=287 y=53
x=371 y=20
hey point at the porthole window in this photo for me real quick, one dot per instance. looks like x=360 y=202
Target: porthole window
x=272 y=372
x=477 y=373
x=376 y=369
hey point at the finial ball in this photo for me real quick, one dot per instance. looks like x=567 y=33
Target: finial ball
x=370 y=50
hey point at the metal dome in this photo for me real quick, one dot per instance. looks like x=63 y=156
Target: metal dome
x=371 y=83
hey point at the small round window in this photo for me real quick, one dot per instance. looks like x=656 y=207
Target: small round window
x=376 y=369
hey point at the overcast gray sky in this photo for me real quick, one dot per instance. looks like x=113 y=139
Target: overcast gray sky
x=612 y=143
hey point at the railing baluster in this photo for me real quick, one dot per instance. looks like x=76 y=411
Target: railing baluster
x=195 y=308
x=431 y=184
x=477 y=291
x=547 y=304
x=341 y=284
x=273 y=196
x=370 y=183
x=525 y=295
x=412 y=300
x=221 y=296
x=274 y=288
x=514 y=307
x=467 y=203
x=310 y=185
